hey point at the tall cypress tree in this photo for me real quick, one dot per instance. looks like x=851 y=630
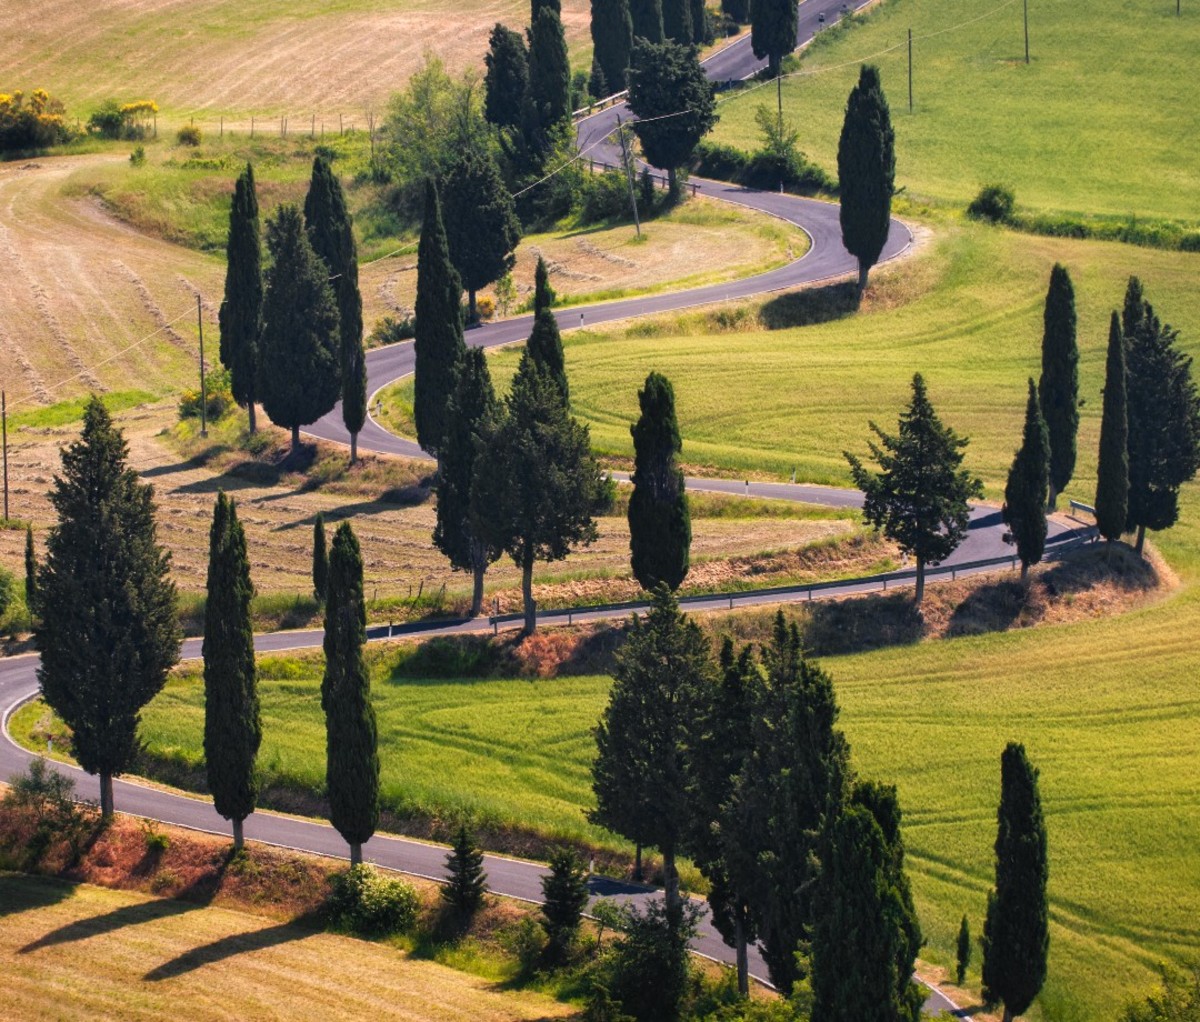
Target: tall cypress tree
x=351 y=740
x=1112 y=472
x=549 y=96
x=1058 y=388
x=546 y=349
x=331 y=232
x=472 y=407
x=31 y=566
x=507 y=77
x=320 y=560
x=543 y=293
x=232 y=725
x=439 y=329
x=104 y=588
x=772 y=31
x=866 y=171
x=647 y=18
x=737 y=10
x=298 y=375
x=241 y=314
x=677 y=21
x=536 y=7
x=1025 y=493
x=612 y=38
x=701 y=35
x=1016 y=934
x=660 y=526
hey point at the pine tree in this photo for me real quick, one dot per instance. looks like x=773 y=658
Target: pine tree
x=564 y=897
x=660 y=527
x=507 y=77
x=963 y=952
x=472 y=407
x=546 y=349
x=1016 y=936
x=549 y=95
x=232 y=724
x=1058 y=388
x=920 y=497
x=482 y=230
x=664 y=79
x=439 y=334
x=320 y=561
x=1025 y=493
x=677 y=21
x=1112 y=471
x=1164 y=418
x=31 y=568
x=298 y=372
x=241 y=314
x=772 y=31
x=536 y=481
x=866 y=171
x=331 y=232
x=466 y=879
x=647 y=18
x=543 y=293
x=104 y=585
x=612 y=39
x=351 y=739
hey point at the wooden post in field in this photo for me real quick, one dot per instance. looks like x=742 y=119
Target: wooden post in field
x=4 y=428
x=312 y=131
x=251 y=125
x=203 y=381
x=627 y=162
x=222 y=125
x=910 y=71
x=341 y=130
x=1026 y=8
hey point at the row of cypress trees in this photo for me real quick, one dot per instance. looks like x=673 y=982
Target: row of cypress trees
x=617 y=23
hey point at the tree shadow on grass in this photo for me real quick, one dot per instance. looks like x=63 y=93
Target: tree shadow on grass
x=109 y=922
x=233 y=945
x=26 y=893
x=862 y=623
x=810 y=306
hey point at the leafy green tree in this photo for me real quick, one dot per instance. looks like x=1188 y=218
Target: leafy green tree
x=919 y=498
x=466 y=878
x=660 y=527
x=1164 y=418
x=480 y=220
x=1016 y=934
x=472 y=407
x=651 y=967
x=439 y=329
x=241 y=314
x=320 y=560
x=665 y=78
x=1058 y=388
x=543 y=293
x=612 y=39
x=1112 y=471
x=298 y=372
x=507 y=77
x=963 y=952
x=351 y=737
x=546 y=349
x=565 y=896
x=104 y=587
x=232 y=722
x=677 y=21
x=866 y=171
x=31 y=568
x=772 y=31
x=661 y=672
x=549 y=96
x=1025 y=492
x=536 y=481
x=331 y=232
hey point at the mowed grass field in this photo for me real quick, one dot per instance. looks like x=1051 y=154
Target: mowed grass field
x=1095 y=124
x=76 y=951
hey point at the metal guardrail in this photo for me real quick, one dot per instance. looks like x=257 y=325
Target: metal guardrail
x=599 y=104
x=1085 y=508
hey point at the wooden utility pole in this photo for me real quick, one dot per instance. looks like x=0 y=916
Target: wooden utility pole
x=4 y=428
x=1026 y=8
x=628 y=163
x=203 y=381
x=910 y=71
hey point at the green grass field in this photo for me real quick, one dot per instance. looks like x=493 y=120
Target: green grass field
x=1094 y=125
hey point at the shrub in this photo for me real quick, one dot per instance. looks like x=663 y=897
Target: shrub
x=47 y=798
x=367 y=902
x=527 y=943
x=129 y=121
x=1177 y=1000
x=485 y=305
x=649 y=969
x=32 y=122
x=390 y=330
x=220 y=398
x=138 y=156
x=156 y=841
x=994 y=203
x=189 y=134
x=8 y=590
x=605 y=197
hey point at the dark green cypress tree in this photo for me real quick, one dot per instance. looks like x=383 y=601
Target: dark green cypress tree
x=549 y=95
x=546 y=349
x=298 y=374
x=480 y=219
x=507 y=77
x=472 y=407
x=736 y=10
x=677 y=21
x=564 y=897
x=351 y=740
x=1025 y=492
x=962 y=958
x=536 y=6
x=439 y=328
x=467 y=881
x=1058 y=388
x=701 y=30
x=660 y=526
x=1133 y=313
x=241 y=314
x=543 y=293
x=320 y=560
x=232 y=725
x=104 y=585
x=612 y=39
x=772 y=31
x=331 y=232
x=647 y=18
x=1112 y=471
x=1016 y=934
x=31 y=567
x=866 y=171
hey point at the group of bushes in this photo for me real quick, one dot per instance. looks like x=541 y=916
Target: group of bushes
x=762 y=169
x=36 y=121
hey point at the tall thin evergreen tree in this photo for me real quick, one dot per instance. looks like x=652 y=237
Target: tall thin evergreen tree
x=507 y=77
x=549 y=95
x=866 y=171
x=241 y=314
x=647 y=18
x=31 y=567
x=546 y=349
x=773 y=31
x=543 y=293
x=1112 y=471
x=677 y=21
x=1058 y=388
x=466 y=878
x=612 y=39
x=351 y=738
x=320 y=560
x=232 y=723
x=1025 y=493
